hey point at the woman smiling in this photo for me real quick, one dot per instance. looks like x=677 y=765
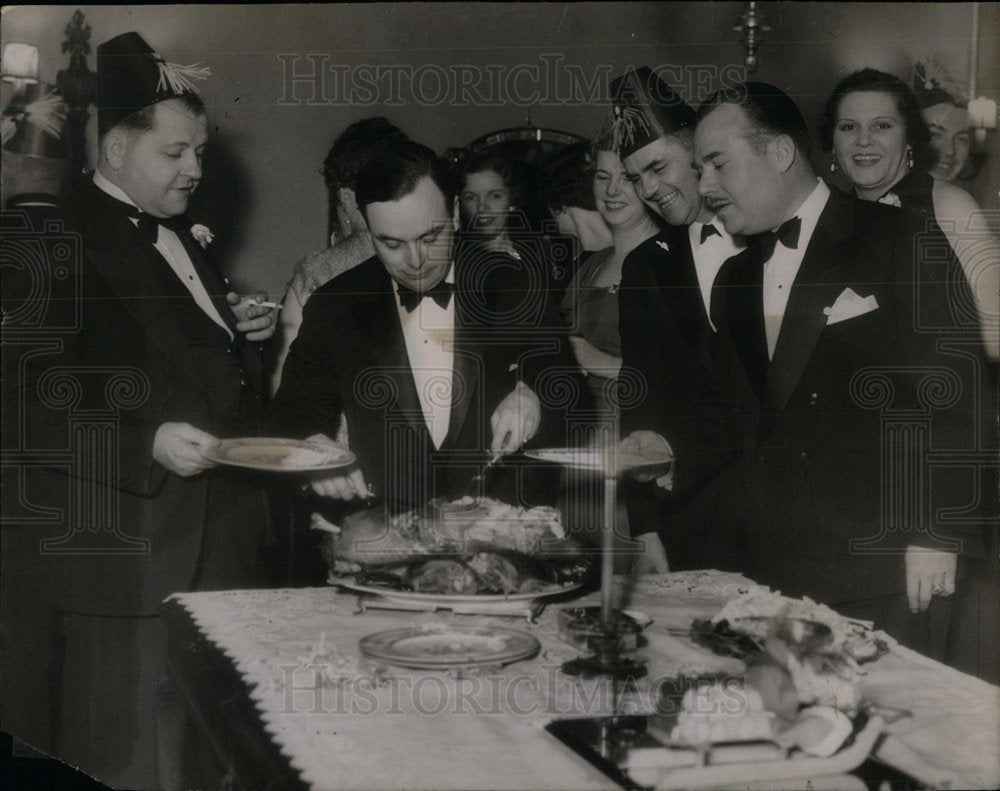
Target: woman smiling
x=873 y=124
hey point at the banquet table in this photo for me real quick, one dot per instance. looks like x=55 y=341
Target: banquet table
x=278 y=687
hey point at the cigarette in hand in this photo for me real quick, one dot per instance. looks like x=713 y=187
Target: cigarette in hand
x=272 y=305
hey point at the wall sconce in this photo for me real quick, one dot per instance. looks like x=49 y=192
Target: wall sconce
x=752 y=27
x=20 y=65
x=982 y=111
x=982 y=116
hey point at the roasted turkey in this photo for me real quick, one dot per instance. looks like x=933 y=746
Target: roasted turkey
x=467 y=546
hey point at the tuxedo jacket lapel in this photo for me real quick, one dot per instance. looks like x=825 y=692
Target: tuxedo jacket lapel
x=214 y=281
x=132 y=272
x=739 y=295
x=824 y=271
x=378 y=320
x=466 y=372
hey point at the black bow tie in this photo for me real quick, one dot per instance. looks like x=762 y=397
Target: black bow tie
x=409 y=299
x=708 y=230
x=149 y=226
x=787 y=234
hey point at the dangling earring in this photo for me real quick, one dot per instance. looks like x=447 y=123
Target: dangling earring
x=909 y=158
x=833 y=164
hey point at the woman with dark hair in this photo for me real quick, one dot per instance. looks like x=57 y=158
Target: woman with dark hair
x=350 y=243
x=873 y=124
x=489 y=192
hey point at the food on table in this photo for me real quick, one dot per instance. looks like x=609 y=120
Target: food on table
x=747 y=615
x=818 y=730
x=583 y=627
x=459 y=547
x=439 y=576
x=499 y=573
x=722 y=711
x=726 y=714
x=776 y=689
x=819 y=649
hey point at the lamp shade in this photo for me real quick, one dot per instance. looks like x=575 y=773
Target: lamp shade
x=983 y=113
x=20 y=62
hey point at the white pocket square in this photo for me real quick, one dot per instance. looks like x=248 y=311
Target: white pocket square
x=849 y=305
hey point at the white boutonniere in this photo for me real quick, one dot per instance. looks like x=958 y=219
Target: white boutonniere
x=202 y=235
x=663 y=245
x=891 y=199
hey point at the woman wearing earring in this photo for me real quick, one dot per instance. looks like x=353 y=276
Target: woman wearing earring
x=879 y=139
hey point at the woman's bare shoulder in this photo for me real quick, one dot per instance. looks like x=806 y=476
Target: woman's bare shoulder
x=952 y=202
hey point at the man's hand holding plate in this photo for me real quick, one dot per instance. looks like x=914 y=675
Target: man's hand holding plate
x=343 y=484
x=180 y=447
x=649 y=445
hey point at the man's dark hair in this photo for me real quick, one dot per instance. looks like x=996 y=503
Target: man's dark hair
x=493 y=160
x=873 y=81
x=769 y=110
x=354 y=148
x=395 y=172
x=142 y=120
x=566 y=179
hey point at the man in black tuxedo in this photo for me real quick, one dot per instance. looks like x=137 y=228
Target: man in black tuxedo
x=161 y=362
x=665 y=327
x=839 y=316
x=436 y=353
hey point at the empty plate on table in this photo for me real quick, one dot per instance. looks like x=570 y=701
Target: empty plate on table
x=593 y=459
x=429 y=649
x=275 y=454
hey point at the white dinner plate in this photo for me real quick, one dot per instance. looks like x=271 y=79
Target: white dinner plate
x=591 y=459
x=428 y=649
x=274 y=454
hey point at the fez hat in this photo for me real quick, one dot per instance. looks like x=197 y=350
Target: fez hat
x=933 y=86
x=131 y=77
x=36 y=120
x=643 y=108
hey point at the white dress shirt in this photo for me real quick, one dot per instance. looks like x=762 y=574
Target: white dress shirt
x=783 y=266
x=429 y=333
x=709 y=257
x=172 y=250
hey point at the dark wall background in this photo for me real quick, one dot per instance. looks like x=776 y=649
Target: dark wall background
x=263 y=194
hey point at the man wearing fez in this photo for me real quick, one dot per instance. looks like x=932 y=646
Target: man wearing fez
x=35 y=152
x=435 y=352
x=838 y=314
x=35 y=170
x=165 y=346
x=665 y=328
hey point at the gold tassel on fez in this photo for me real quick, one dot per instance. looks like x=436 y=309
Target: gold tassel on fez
x=626 y=124
x=932 y=74
x=48 y=113
x=177 y=79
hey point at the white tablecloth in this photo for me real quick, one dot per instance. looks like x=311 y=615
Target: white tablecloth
x=347 y=723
